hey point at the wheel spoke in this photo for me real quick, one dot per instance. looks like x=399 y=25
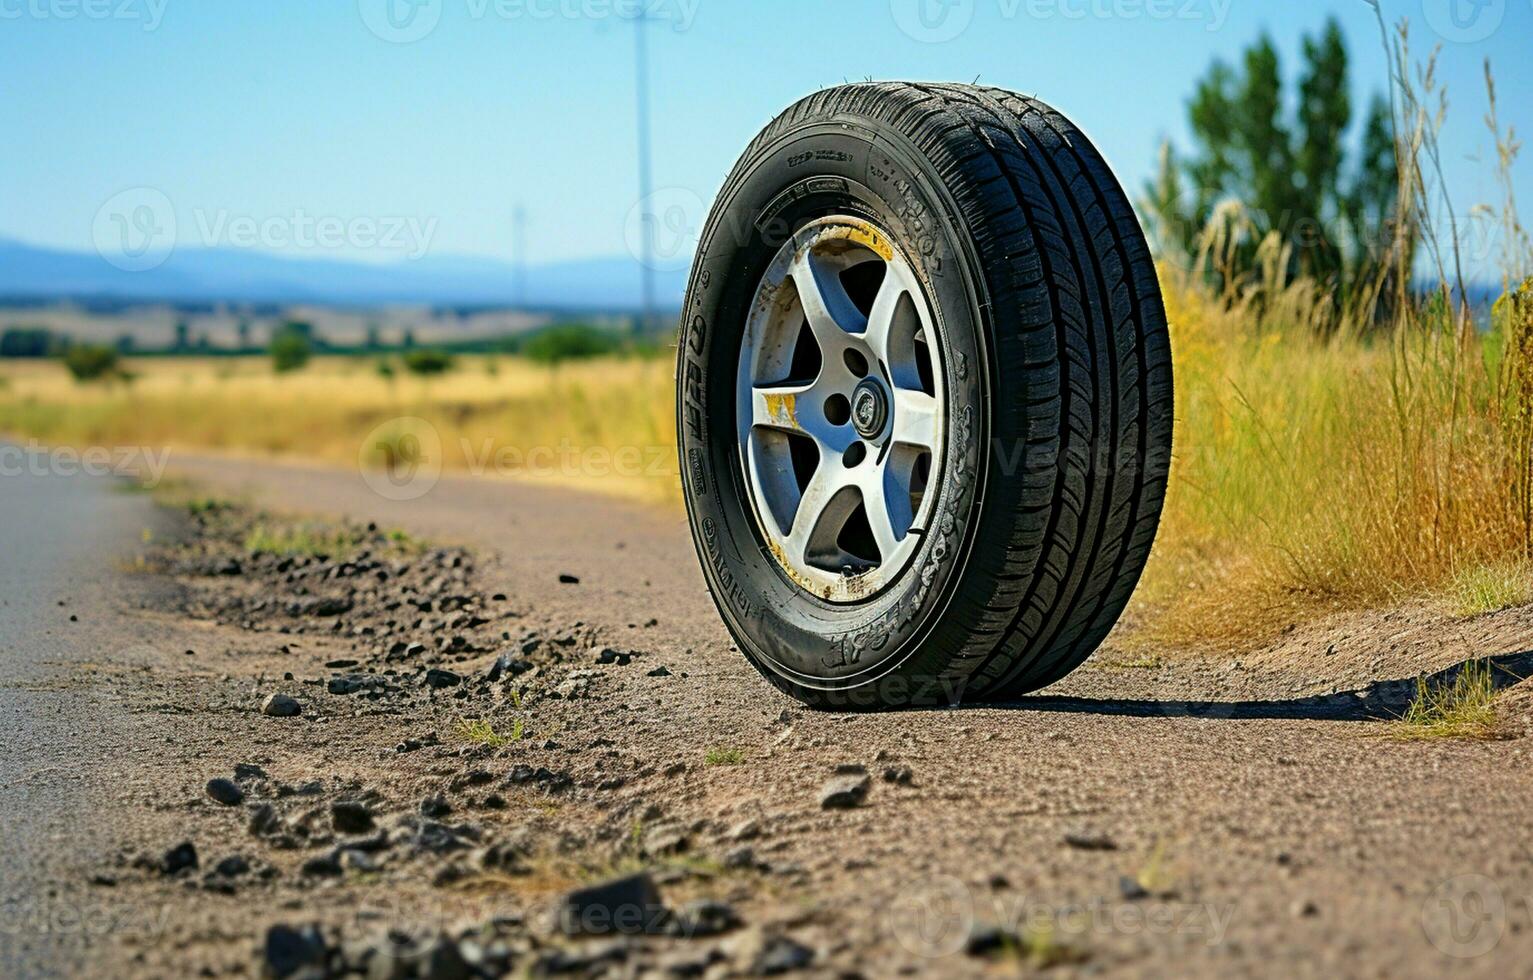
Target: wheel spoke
x=801 y=409
x=886 y=510
x=777 y=406
x=881 y=315
x=830 y=311
x=820 y=503
x=915 y=418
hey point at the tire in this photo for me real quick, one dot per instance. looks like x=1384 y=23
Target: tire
x=1029 y=454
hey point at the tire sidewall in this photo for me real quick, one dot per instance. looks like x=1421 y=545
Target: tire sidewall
x=830 y=654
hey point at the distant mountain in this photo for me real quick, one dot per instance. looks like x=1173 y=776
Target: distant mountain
x=194 y=275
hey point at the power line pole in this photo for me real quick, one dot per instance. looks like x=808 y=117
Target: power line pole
x=646 y=220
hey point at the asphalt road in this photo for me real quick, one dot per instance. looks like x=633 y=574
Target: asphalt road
x=61 y=594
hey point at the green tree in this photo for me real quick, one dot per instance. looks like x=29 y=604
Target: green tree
x=1292 y=174
x=27 y=342
x=91 y=362
x=301 y=328
x=567 y=342
x=426 y=361
x=290 y=350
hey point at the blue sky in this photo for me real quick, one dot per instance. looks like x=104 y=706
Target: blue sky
x=273 y=110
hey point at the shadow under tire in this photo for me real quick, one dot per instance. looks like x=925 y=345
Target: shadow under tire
x=924 y=397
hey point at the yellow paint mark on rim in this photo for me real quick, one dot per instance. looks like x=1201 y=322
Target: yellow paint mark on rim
x=783 y=409
x=868 y=238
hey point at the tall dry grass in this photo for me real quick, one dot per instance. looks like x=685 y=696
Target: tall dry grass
x=1336 y=455
x=1324 y=471
x=605 y=423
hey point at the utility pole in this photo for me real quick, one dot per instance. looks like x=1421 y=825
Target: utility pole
x=646 y=220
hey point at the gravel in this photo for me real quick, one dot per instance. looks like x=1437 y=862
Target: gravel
x=844 y=792
x=628 y=906
x=280 y=706
x=180 y=858
x=225 y=791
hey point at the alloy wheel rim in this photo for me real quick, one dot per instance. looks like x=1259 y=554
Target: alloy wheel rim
x=841 y=409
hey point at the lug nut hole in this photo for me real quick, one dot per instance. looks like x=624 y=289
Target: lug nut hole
x=856 y=363
x=838 y=411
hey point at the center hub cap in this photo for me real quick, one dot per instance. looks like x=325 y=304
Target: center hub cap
x=870 y=409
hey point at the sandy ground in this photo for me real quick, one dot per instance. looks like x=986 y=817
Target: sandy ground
x=1146 y=816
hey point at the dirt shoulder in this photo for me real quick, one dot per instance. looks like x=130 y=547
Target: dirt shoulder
x=477 y=736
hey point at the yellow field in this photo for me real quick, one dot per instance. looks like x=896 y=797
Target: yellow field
x=1309 y=474
x=607 y=423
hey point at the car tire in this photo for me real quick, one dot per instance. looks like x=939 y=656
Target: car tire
x=924 y=397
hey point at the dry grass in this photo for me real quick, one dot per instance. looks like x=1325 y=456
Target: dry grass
x=723 y=756
x=606 y=423
x=480 y=731
x=1490 y=588
x=301 y=540
x=1464 y=708
x=1311 y=474
x=1320 y=473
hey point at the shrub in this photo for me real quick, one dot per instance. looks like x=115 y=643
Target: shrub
x=426 y=362
x=723 y=756
x=290 y=350
x=1463 y=707
x=91 y=362
x=27 y=342
x=568 y=342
